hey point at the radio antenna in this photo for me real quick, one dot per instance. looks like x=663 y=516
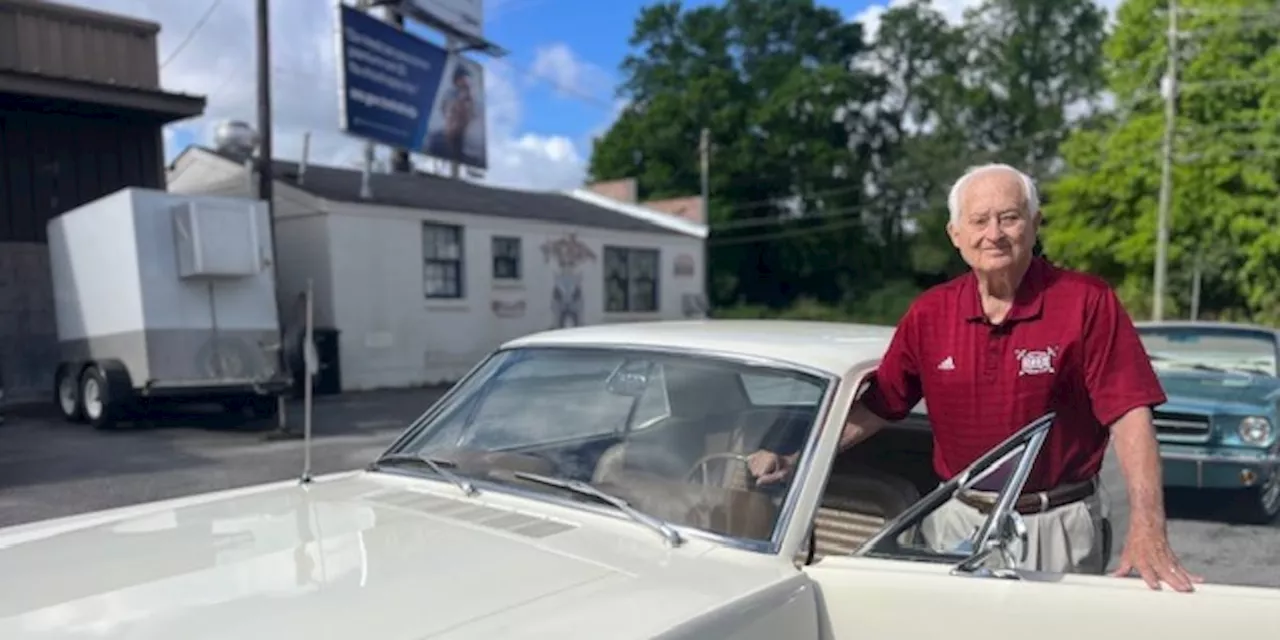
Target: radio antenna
x=310 y=365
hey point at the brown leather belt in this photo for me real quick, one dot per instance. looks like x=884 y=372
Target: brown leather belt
x=1029 y=503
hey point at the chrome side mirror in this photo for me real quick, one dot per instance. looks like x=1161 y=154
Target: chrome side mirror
x=1008 y=542
x=1012 y=540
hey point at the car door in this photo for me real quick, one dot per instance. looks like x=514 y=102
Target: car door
x=893 y=587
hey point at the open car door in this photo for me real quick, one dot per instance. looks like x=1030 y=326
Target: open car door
x=894 y=586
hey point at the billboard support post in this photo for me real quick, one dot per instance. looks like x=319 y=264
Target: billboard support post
x=451 y=48
x=400 y=162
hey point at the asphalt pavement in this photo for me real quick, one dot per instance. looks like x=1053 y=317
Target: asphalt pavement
x=49 y=468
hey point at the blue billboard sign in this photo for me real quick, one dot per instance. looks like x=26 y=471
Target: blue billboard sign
x=402 y=91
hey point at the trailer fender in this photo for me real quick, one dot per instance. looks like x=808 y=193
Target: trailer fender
x=119 y=382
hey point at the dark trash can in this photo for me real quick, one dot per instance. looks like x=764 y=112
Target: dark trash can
x=328 y=380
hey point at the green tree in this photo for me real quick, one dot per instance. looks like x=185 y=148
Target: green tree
x=1102 y=212
x=1035 y=61
x=773 y=80
x=832 y=155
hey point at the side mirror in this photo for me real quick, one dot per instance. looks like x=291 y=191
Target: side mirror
x=1009 y=543
x=1013 y=539
x=1005 y=531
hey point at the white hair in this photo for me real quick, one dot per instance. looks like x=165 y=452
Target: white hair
x=1029 y=191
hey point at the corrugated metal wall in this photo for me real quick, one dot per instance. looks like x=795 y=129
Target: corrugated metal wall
x=52 y=163
x=78 y=44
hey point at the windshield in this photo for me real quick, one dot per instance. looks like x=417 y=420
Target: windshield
x=666 y=433
x=1209 y=348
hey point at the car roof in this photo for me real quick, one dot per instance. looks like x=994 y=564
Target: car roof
x=831 y=347
x=1202 y=324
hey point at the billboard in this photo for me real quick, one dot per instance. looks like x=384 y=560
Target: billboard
x=464 y=16
x=402 y=91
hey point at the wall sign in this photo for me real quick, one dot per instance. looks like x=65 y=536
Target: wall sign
x=509 y=309
x=568 y=254
x=685 y=266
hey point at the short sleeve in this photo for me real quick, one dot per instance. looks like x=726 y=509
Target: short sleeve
x=1117 y=370
x=895 y=386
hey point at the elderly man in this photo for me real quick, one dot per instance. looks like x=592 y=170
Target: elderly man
x=996 y=348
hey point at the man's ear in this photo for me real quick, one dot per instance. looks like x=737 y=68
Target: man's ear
x=951 y=233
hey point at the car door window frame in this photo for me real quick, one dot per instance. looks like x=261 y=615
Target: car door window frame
x=991 y=538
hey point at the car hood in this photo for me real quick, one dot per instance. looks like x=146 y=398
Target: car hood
x=1211 y=388
x=363 y=555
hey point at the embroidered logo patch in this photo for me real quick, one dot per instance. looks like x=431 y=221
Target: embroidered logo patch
x=1035 y=362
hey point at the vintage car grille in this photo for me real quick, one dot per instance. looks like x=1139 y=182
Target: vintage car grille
x=1182 y=425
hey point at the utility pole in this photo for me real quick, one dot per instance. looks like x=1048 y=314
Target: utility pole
x=1196 y=275
x=704 y=151
x=265 y=181
x=399 y=157
x=266 y=192
x=1166 y=168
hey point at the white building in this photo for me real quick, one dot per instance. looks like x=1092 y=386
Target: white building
x=428 y=274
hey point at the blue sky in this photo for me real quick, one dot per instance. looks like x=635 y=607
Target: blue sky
x=596 y=31
x=538 y=134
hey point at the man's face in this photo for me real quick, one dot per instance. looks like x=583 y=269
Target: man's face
x=994 y=231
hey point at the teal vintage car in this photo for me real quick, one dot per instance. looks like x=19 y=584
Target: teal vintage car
x=1218 y=430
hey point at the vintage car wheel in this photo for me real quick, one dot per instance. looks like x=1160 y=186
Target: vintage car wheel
x=1260 y=504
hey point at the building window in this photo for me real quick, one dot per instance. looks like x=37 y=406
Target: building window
x=630 y=279
x=506 y=258
x=441 y=260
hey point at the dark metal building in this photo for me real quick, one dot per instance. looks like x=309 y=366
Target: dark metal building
x=81 y=116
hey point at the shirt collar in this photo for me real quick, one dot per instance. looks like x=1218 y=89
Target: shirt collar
x=1028 y=301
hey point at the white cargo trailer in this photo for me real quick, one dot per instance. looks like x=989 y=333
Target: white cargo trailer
x=164 y=296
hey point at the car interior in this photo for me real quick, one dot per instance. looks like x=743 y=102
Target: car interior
x=711 y=420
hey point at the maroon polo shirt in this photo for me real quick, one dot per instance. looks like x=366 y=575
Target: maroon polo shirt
x=1067 y=345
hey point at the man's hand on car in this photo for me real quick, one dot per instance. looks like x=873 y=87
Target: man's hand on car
x=769 y=467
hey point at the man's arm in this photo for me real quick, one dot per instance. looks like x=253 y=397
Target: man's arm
x=860 y=425
x=1123 y=388
x=895 y=388
x=1139 y=455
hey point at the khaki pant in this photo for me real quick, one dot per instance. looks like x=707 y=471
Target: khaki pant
x=1065 y=539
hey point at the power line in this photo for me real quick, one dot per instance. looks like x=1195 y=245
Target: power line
x=191 y=34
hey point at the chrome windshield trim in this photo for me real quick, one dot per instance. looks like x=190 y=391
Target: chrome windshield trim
x=790 y=502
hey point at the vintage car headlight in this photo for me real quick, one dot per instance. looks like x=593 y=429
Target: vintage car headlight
x=1255 y=429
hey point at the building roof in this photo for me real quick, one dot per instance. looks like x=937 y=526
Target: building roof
x=436 y=193
x=830 y=347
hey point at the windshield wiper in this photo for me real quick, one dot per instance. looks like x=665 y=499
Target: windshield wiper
x=435 y=464
x=668 y=532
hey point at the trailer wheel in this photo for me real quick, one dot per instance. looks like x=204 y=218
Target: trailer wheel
x=66 y=393
x=100 y=408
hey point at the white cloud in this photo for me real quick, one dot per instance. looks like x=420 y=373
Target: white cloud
x=219 y=63
x=557 y=65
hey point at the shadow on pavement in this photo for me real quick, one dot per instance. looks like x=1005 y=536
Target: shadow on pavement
x=39 y=452
x=1206 y=505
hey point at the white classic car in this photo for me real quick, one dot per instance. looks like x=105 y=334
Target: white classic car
x=589 y=483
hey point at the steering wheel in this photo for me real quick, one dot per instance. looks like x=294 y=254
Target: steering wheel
x=704 y=460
